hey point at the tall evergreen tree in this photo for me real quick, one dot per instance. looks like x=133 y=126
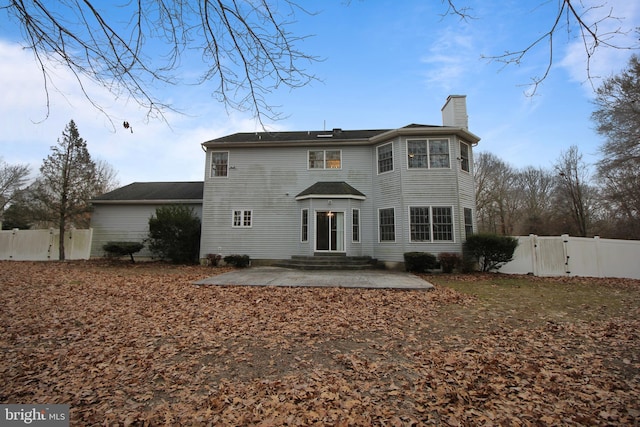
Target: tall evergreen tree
x=68 y=180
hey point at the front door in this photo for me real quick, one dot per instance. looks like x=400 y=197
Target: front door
x=329 y=231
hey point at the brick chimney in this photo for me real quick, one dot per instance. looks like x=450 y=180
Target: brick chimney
x=454 y=112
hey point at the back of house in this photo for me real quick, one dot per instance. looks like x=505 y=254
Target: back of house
x=378 y=193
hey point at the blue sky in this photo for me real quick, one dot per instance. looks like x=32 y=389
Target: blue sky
x=386 y=64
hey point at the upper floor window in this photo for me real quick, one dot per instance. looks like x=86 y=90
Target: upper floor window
x=219 y=163
x=325 y=159
x=242 y=218
x=428 y=153
x=464 y=156
x=385 y=158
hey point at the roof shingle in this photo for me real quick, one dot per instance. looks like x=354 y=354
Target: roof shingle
x=154 y=191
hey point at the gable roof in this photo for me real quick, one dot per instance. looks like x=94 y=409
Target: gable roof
x=154 y=192
x=335 y=189
x=332 y=137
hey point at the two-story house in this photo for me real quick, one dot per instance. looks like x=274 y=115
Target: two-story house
x=378 y=193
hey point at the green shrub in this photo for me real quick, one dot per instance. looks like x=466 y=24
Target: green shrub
x=419 y=262
x=118 y=249
x=174 y=234
x=491 y=251
x=240 y=261
x=449 y=261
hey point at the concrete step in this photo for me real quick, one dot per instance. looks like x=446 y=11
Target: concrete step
x=329 y=262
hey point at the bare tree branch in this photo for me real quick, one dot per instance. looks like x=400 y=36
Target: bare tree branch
x=247 y=49
x=590 y=32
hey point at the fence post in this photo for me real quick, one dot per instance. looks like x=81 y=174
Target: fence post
x=51 y=237
x=596 y=242
x=534 y=255
x=12 y=247
x=565 y=248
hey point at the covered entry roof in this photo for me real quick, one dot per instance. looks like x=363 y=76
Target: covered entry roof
x=331 y=189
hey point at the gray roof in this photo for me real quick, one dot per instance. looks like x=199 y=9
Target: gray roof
x=334 y=137
x=331 y=189
x=154 y=191
x=313 y=135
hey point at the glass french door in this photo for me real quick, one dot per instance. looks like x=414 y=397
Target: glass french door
x=329 y=231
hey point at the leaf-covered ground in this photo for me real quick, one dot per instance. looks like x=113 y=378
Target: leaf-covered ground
x=141 y=345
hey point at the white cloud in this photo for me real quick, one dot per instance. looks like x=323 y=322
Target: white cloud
x=448 y=58
x=154 y=151
x=618 y=30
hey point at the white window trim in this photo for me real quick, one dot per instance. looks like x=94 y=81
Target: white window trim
x=468 y=156
x=359 y=225
x=395 y=226
x=302 y=224
x=378 y=159
x=324 y=160
x=427 y=140
x=242 y=217
x=431 y=235
x=211 y=175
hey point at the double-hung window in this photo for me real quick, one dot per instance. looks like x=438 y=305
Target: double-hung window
x=464 y=156
x=420 y=224
x=304 y=226
x=355 y=224
x=442 y=224
x=428 y=153
x=325 y=159
x=468 y=222
x=417 y=152
x=242 y=218
x=438 y=153
x=385 y=158
x=431 y=223
x=219 y=163
x=387 y=224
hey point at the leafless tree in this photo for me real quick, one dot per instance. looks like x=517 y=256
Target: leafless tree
x=12 y=179
x=497 y=195
x=573 y=191
x=596 y=26
x=245 y=47
x=537 y=188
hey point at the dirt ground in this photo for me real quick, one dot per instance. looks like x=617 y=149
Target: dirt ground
x=126 y=344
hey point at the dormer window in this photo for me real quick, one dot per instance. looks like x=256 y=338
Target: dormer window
x=325 y=159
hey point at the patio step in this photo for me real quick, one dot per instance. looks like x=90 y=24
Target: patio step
x=329 y=262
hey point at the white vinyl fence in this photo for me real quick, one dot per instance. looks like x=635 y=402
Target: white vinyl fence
x=575 y=256
x=44 y=245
